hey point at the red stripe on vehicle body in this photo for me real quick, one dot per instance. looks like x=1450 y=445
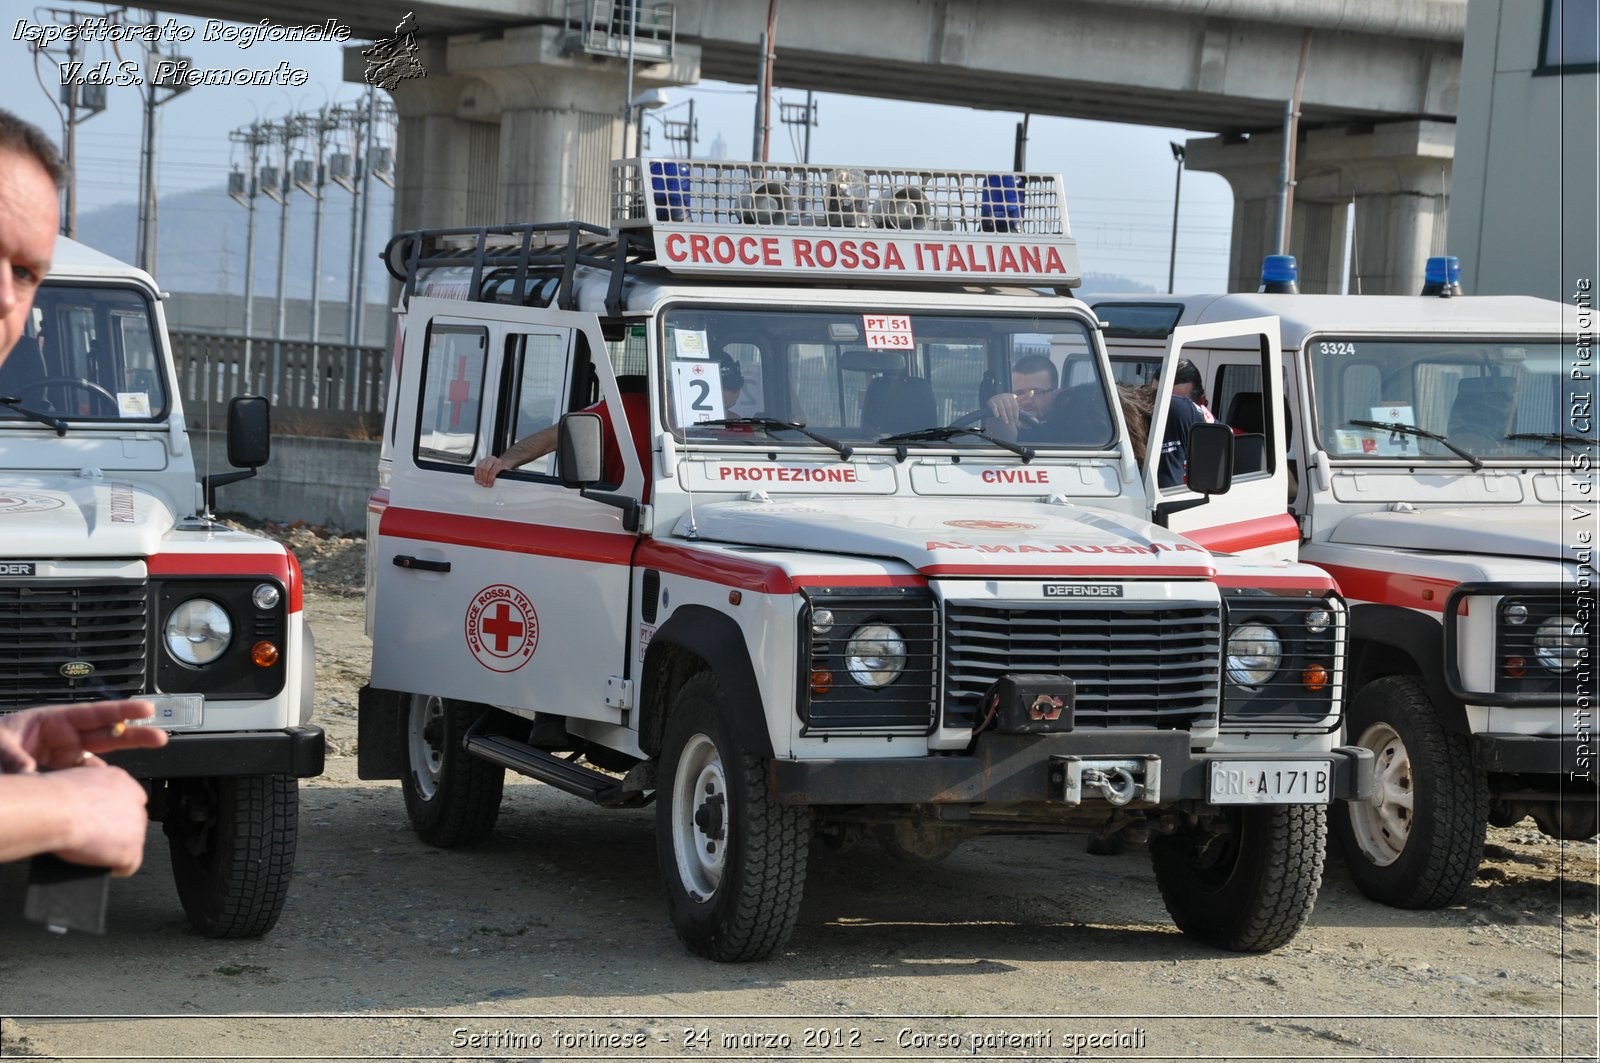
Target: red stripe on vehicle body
x=1247 y=534
x=1391 y=588
x=282 y=567
x=487 y=533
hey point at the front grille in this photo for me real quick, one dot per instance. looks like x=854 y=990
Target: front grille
x=1143 y=666
x=44 y=625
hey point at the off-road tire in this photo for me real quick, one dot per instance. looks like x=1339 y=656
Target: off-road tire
x=1425 y=856
x=745 y=906
x=452 y=797
x=1249 y=888
x=232 y=843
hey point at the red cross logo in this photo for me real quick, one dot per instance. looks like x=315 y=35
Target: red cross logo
x=502 y=630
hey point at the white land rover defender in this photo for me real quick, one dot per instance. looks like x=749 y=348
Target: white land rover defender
x=1433 y=440
x=111 y=587
x=779 y=577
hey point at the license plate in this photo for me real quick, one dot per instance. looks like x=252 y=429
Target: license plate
x=174 y=712
x=1271 y=782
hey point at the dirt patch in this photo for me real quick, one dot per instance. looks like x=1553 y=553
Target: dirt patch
x=332 y=563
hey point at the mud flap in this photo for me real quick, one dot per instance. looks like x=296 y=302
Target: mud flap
x=380 y=754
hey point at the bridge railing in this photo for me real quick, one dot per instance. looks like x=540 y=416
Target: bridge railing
x=325 y=389
x=600 y=27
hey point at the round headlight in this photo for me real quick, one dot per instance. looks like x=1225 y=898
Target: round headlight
x=1318 y=620
x=1254 y=654
x=266 y=595
x=198 y=631
x=1516 y=613
x=875 y=655
x=1555 y=645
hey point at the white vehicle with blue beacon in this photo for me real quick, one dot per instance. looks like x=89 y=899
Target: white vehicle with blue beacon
x=114 y=584
x=1441 y=442
x=784 y=578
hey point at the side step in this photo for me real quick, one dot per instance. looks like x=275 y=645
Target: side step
x=548 y=768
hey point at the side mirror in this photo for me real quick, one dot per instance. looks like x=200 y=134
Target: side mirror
x=249 y=432
x=249 y=444
x=578 y=449
x=1210 y=459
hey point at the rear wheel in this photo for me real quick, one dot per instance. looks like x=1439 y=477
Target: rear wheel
x=1418 y=841
x=232 y=842
x=733 y=859
x=452 y=797
x=1247 y=880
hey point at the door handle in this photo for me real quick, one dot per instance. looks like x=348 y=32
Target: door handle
x=406 y=561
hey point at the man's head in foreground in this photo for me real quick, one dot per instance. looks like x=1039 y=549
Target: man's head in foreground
x=31 y=176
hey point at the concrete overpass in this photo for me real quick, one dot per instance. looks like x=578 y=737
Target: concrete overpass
x=517 y=117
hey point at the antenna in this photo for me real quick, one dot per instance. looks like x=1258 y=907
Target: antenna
x=211 y=430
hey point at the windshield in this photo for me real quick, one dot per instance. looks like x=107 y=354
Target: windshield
x=859 y=377
x=87 y=354
x=1478 y=394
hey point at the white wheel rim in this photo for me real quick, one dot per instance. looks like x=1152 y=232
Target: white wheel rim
x=425 y=737
x=1382 y=824
x=700 y=818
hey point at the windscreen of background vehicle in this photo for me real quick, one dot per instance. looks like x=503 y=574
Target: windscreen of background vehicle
x=87 y=353
x=1475 y=393
x=860 y=376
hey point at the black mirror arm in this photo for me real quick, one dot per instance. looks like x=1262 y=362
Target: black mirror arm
x=627 y=503
x=1166 y=509
x=218 y=479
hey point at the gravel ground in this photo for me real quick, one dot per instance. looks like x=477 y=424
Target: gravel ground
x=550 y=941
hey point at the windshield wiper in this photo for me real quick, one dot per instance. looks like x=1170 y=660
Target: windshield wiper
x=1555 y=437
x=1413 y=430
x=939 y=435
x=11 y=402
x=773 y=424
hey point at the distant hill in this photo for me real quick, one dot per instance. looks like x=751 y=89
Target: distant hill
x=201 y=246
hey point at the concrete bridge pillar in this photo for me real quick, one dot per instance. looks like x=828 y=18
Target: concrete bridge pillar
x=1397 y=174
x=514 y=128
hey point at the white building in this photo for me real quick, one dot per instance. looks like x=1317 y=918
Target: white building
x=1524 y=211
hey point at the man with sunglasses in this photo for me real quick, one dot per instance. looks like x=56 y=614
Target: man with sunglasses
x=1025 y=412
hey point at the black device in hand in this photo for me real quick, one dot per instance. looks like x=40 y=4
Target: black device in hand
x=66 y=896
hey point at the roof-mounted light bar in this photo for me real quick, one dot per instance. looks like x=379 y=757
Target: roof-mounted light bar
x=891 y=224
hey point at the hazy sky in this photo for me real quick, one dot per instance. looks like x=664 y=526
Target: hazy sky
x=1119 y=179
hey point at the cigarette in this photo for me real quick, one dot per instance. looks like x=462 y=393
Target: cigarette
x=118 y=728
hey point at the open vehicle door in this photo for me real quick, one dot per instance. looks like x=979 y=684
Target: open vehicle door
x=1252 y=516
x=515 y=595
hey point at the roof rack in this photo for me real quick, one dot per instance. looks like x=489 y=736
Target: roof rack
x=525 y=249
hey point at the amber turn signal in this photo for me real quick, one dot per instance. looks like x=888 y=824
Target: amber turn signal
x=1315 y=677
x=264 y=654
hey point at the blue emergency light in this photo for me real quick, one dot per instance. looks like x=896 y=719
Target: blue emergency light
x=1442 y=276
x=669 y=182
x=1279 y=274
x=1001 y=207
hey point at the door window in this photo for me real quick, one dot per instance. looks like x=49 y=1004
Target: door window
x=452 y=394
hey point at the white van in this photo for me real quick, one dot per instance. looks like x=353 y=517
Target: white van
x=1438 y=444
x=113 y=584
x=780 y=578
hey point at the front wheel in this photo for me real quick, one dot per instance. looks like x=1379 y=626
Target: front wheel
x=1417 y=842
x=1246 y=881
x=452 y=797
x=232 y=843
x=733 y=859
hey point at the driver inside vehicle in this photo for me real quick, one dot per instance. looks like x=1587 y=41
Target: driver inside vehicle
x=1027 y=410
